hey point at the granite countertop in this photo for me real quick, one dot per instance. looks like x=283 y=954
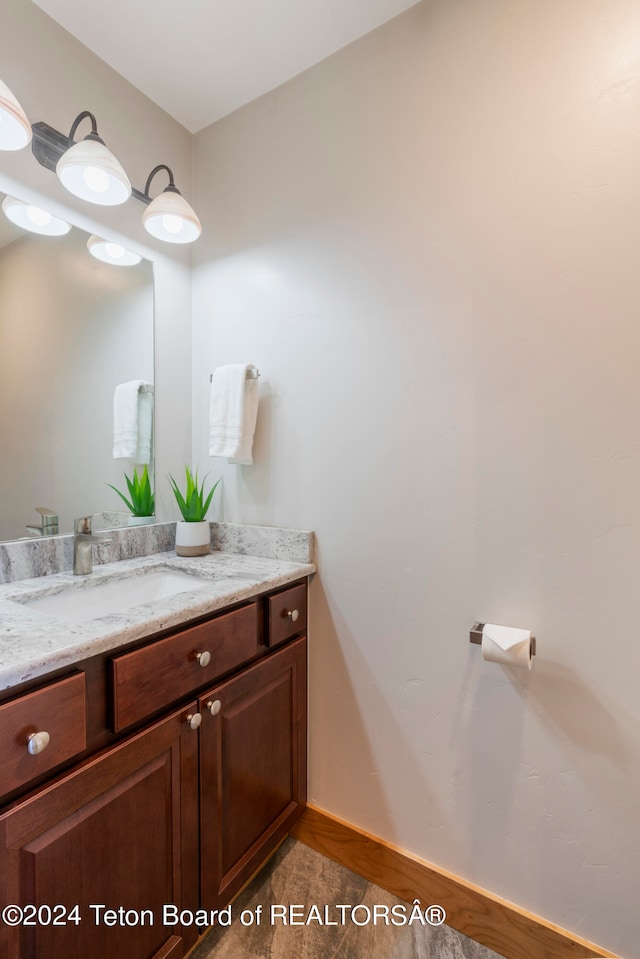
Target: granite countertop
x=34 y=643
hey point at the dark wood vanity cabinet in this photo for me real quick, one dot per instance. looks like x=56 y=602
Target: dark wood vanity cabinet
x=119 y=831
x=252 y=769
x=177 y=812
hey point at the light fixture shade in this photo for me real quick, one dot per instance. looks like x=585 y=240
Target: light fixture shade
x=169 y=217
x=90 y=171
x=33 y=218
x=15 y=129
x=110 y=252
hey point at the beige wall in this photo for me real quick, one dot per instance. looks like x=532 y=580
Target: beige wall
x=429 y=245
x=55 y=77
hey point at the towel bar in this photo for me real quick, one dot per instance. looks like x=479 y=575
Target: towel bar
x=251 y=375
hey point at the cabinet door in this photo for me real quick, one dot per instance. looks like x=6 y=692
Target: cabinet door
x=119 y=831
x=253 y=770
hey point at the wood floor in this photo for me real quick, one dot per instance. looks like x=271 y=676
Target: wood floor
x=301 y=877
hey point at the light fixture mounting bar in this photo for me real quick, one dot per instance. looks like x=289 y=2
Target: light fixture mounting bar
x=49 y=144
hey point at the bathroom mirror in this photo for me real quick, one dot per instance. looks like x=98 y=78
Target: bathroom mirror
x=71 y=329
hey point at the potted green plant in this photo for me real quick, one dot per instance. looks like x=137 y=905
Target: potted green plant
x=141 y=502
x=193 y=534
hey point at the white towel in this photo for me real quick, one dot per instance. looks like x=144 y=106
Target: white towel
x=232 y=413
x=133 y=421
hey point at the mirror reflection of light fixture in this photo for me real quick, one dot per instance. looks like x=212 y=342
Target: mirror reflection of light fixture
x=33 y=218
x=90 y=171
x=109 y=252
x=15 y=129
x=169 y=217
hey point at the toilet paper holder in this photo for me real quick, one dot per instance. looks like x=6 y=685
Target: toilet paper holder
x=475 y=636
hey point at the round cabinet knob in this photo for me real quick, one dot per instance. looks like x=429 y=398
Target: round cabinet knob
x=37 y=742
x=214 y=706
x=204 y=658
x=194 y=720
x=293 y=615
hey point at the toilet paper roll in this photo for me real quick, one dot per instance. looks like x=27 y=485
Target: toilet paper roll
x=507 y=645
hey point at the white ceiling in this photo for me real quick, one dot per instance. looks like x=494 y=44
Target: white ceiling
x=202 y=59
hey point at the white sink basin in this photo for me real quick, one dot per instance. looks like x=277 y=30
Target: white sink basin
x=75 y=605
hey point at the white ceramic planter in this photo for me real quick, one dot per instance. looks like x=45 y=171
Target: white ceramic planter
x=193 y=539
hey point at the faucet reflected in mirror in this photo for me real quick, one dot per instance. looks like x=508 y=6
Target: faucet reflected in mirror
x=71 y=329
x=49 y=524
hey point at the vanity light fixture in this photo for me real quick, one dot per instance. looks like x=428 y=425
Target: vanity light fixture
x=90 y=171
x=33 y=218
x=110 y=252
x=15 y=129
x=169 y=217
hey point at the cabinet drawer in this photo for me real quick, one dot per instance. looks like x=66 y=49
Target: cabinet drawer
x=58 y=711
x=157 y=675
x=287 y=614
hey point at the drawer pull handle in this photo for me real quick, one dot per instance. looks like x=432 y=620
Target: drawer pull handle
x=204 y=658
x=37 y=742
x=214 y=706
x=194 y=720
x=293 y=615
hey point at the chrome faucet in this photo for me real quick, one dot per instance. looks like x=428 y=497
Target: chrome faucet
x=83 y=540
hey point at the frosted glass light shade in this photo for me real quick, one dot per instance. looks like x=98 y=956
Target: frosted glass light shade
x=90 y=171
x=169 y=217
x=110 y=252
x=33 y=218
x=15 y=129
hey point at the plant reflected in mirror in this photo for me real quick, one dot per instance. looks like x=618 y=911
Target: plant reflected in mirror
x=141 y=499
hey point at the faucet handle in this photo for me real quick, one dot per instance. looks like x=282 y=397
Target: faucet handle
x=83 y=524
